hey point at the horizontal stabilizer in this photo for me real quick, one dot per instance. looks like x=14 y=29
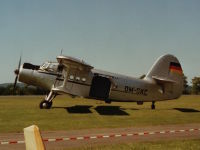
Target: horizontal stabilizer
x=163 y=80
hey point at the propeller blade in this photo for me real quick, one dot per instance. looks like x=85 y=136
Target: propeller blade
x=20 y=60
x=15 y=83
x=17 y=74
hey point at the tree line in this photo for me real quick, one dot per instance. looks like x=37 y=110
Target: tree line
x=21 y=90
x=192 y=89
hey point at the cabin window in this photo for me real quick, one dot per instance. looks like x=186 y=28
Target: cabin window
x=78 y=78
x=83 y=79
x=71 y=77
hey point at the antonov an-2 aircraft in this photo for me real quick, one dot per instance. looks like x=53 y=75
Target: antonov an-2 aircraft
x=74 y=77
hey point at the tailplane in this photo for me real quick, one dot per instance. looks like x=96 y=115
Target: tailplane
x=167 y=72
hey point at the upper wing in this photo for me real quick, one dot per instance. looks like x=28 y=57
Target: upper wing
x=70 y=67
x=73 y=63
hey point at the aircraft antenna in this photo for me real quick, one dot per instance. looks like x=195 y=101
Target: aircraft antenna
x=61 y=51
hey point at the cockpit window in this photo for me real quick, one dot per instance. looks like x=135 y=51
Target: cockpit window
x=45 y=65
x=49 y=66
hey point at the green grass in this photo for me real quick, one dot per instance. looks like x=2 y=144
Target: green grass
x=19 y=112
x=159 y=145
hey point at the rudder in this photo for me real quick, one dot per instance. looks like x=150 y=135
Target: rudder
x=167 y=71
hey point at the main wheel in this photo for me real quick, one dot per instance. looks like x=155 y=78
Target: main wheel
x=45 y=104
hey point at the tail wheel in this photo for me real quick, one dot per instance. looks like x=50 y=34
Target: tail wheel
x=108 y=101
x=45 y=104
x=153 y=105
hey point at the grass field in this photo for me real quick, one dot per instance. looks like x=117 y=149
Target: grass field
x=67 y=113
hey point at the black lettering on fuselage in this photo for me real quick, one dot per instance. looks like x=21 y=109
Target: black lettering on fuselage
x=137 y=91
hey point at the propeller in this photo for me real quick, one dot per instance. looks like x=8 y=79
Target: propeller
x=17 y=73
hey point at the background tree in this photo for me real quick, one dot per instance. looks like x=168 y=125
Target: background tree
x=186 y=89
x=196 y=85
x=21 y=90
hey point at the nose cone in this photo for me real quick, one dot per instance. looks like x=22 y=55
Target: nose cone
x=16 y=71
x=30 y=75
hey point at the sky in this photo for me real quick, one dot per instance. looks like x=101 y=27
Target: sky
x=121 y=36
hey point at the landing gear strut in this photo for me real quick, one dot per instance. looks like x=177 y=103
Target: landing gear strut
x=47 y=102
x=153 y=105
x=108 y=101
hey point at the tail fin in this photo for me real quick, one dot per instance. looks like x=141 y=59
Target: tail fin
x=167 y=72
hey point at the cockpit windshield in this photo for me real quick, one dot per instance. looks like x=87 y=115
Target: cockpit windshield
x=49 y=66
x=45 y=65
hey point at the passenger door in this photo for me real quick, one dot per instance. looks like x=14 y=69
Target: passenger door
x=100 y=88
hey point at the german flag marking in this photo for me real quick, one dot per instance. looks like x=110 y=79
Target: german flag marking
x=175 y=68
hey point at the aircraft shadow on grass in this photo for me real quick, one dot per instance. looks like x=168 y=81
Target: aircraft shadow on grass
x=102 y=110
x=187 y=110
x=111 y=110
x=77 y=109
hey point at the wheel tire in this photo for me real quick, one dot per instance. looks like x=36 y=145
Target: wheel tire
x=108 y=101
x=45 y=104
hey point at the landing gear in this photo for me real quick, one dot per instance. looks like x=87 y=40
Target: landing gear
x=153 y=105
x=47 y=102
x=108 y=101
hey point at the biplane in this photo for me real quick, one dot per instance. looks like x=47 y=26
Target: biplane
x=74 y=77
